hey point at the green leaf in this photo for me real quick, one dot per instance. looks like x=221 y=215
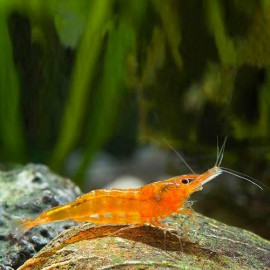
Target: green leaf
x=171 y=27
x=70 y=18
x=224 y=44
x=87 y=54
x=109 y=95
x=11 y=130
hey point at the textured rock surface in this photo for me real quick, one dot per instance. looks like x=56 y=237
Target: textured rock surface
x=26 y=191
x=212 y=245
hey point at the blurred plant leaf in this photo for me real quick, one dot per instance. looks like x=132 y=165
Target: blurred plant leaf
x=265 y=3
x=87 y=54
x=10 y=122
x=155 y=58
x=246 y=130
x=216 y=86
x=255 y=50
x=108 y=97
x=70 y=17
x=264 y=120
x=224 y=44
x=171 y=27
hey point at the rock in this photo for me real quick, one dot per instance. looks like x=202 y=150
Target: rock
x=26 y=191
x=209 y=244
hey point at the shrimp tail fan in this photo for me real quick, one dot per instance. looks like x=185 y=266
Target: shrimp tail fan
x=19 y=226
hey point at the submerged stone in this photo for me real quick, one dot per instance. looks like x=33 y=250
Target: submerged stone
x=26 y=191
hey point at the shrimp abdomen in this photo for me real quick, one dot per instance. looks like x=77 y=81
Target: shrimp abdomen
x=108 y=206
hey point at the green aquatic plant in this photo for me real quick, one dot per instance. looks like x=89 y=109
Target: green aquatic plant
x=68 y=68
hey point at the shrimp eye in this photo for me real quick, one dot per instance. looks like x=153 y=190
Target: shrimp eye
x=185 y=181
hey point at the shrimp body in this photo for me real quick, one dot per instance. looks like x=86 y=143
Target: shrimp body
x=139 y=206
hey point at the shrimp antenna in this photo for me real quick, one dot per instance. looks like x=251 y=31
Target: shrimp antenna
x=178 y=155
x=217 y=151
x=242 y=176
x=220 y=153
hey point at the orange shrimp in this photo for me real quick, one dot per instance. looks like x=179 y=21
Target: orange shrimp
x=144 y=205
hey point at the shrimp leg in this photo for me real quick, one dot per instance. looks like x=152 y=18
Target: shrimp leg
x=193 y=219
x=185 y=211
